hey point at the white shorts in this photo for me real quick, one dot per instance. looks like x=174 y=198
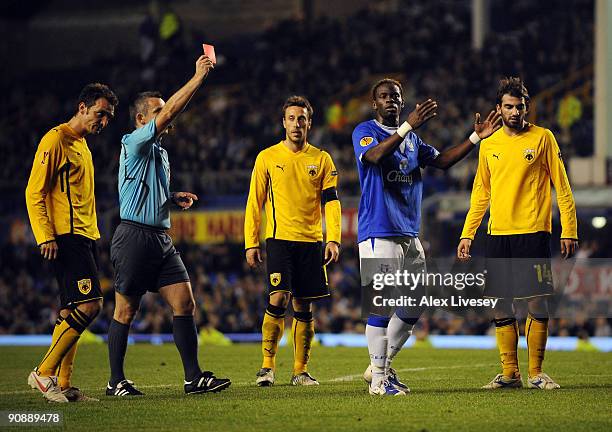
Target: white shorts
x=390 y=255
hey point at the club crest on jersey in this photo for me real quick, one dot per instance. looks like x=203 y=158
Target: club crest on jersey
x=275 y=279
x=312 y=170
x=366 y=141
x=84 y=286
x=529 y=155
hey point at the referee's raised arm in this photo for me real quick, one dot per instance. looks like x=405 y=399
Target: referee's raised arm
x=179 y=100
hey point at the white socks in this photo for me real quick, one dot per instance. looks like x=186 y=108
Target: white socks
x=398 y=333
x=377 y=347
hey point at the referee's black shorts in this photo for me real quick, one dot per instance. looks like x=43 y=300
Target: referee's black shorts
x=76 y=269
x=144 y=259
x=297 y=268
x=518 y=266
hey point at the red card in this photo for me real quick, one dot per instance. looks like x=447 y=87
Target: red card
x=209 y=50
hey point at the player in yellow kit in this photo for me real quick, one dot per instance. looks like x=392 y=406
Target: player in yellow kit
x=516 y=166
x=292 y=180
x=62 y=209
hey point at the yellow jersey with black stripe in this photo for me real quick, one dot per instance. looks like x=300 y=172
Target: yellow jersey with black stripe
x=290 y=185
x=60 y=192
x=515 y=175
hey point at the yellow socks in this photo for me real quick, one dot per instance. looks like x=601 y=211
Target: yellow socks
x=303 y=335
x=271 y=333
x=536 y=331
x=65 y=335
x=507 y=335
x=64 y=371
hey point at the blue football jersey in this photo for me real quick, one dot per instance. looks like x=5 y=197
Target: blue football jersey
x=391 y=191
x=144 y=179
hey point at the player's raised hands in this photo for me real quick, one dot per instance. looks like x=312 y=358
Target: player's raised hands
x=491 y=124
x=422 y=113
x=184 y=199
x=49 y=250
x=203 y=65
x=253 y=257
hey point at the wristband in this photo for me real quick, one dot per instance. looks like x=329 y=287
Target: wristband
x=474 y=138
x=403 y=130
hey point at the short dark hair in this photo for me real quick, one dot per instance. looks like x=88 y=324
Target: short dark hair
x=512 y=86
x=298 y=101
x=140 y=103
x=94 y=91
x=387 y=81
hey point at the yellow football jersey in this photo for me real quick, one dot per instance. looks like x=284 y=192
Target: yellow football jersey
x=60 y=192
x=514 y=175
x=289 y=185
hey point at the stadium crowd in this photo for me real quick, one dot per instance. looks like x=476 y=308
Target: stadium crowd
x=331 y=61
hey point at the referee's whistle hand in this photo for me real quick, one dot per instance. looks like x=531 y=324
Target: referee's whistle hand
x=49 y=250
x=332 y=252
x=463 y=250
x=253 y=257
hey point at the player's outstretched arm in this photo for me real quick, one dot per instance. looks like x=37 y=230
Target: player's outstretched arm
x=422 y=113
x=179 y=100
x=482 y=130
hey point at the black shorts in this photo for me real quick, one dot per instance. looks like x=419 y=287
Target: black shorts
x=297 y=268
x=518 y=266
x=144 y=259
x=76 y=269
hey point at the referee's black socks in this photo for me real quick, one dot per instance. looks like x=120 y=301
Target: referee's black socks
x=186 y=341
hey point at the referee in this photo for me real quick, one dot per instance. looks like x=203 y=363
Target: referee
x=62 y=210
x=142 y=253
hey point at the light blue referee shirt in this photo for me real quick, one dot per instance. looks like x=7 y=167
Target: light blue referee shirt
x=144 y=179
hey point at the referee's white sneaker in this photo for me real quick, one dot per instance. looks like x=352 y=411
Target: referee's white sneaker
x=47 y=386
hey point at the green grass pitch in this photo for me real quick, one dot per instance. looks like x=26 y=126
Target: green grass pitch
x=445 y=385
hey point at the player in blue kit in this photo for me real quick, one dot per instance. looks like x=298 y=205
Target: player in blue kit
x=389 y=161
x=142 y=253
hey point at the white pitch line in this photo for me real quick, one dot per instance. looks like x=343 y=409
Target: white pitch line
x=419 y=369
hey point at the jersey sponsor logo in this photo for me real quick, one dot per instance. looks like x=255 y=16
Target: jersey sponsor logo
x=399 y=177
x=365 y=141
x=44 y=158
x=275 y=279
x=496 y=156
x=84 y=286
x=403 y=164
x=281 y=167
x=312 y=170
x=529 y=155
